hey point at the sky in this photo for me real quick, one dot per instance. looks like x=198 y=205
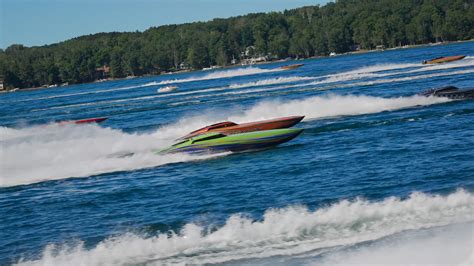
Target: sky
x=40 y=22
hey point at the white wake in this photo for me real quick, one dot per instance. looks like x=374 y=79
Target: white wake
x=39 y=153
x=291 y=231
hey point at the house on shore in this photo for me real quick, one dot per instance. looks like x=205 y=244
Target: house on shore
x=103 y=72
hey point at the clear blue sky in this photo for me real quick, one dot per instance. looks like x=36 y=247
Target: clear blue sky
x=39 y=22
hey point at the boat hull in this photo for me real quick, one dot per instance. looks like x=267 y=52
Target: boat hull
x=85 y=121
x=445 y=59
x=232 y=128
x=289 y=67
x=237 y=142
x=450 y=92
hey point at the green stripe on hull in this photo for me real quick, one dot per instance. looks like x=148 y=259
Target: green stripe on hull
x=219 y=142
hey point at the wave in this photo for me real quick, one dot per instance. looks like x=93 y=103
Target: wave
x=425 y=76
x=336 y=105
x=317 y=107
x=266 y=82
x=304 y=86
x=290 y=231
x=214 y=75
x=223 y=74
x=446 y=245
x=359 y=73
x=384 y=67
x=153 y=83
x=330 y=80
x=335 y=78
x=32 y=154
x=35 y=154
x=364 y=72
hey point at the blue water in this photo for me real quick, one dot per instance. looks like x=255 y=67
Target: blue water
x=376 y=169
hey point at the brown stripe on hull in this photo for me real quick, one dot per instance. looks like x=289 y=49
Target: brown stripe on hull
x=445 y=59
x=233 y=128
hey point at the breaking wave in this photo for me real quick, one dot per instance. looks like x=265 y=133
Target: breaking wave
x=290 y=231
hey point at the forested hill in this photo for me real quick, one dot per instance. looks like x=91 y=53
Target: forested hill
x=303 y=32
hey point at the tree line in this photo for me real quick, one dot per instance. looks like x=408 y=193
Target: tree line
x=303 y=32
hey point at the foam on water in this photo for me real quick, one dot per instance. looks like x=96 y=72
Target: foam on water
x=149 y=84
x=425 y=76
x=333 y=79
x=214 y=75
x=223 y=74
x=312 y=108
x=357 y=74
x=373 y=71
x=336 y=105
x=36 y=154
x=383 y=67
x=447 y=245
x=33 y=154
x=266 y=82
x=295 y=230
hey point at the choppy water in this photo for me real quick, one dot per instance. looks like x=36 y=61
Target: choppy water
x=378 y=176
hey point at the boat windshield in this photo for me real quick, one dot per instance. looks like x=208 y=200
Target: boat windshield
x=214 y=126
x=222 y=124
x=179 y=143
x=447 y=89
x=214 y=136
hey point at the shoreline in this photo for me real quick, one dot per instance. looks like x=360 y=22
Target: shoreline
x=240 y=65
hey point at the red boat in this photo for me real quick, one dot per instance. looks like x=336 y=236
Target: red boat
x=228 y=127
x=85 y=121
x=444 y=59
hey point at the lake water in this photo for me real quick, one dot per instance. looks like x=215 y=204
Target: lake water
x=379 y=175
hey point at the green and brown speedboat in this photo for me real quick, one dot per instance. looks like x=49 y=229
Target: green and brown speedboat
x=218 y=142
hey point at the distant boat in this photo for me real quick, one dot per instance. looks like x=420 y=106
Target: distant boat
x=210 y=68
x=167 y=89
x=288 y=67
x=84 y=121
x=444 y=59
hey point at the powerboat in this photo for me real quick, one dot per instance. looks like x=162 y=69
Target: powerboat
x=215 y=142
x=450 y=92
x=288 y=67
x=444 y=59
x=228 y=127
x=167 y=89
x=84 y=121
